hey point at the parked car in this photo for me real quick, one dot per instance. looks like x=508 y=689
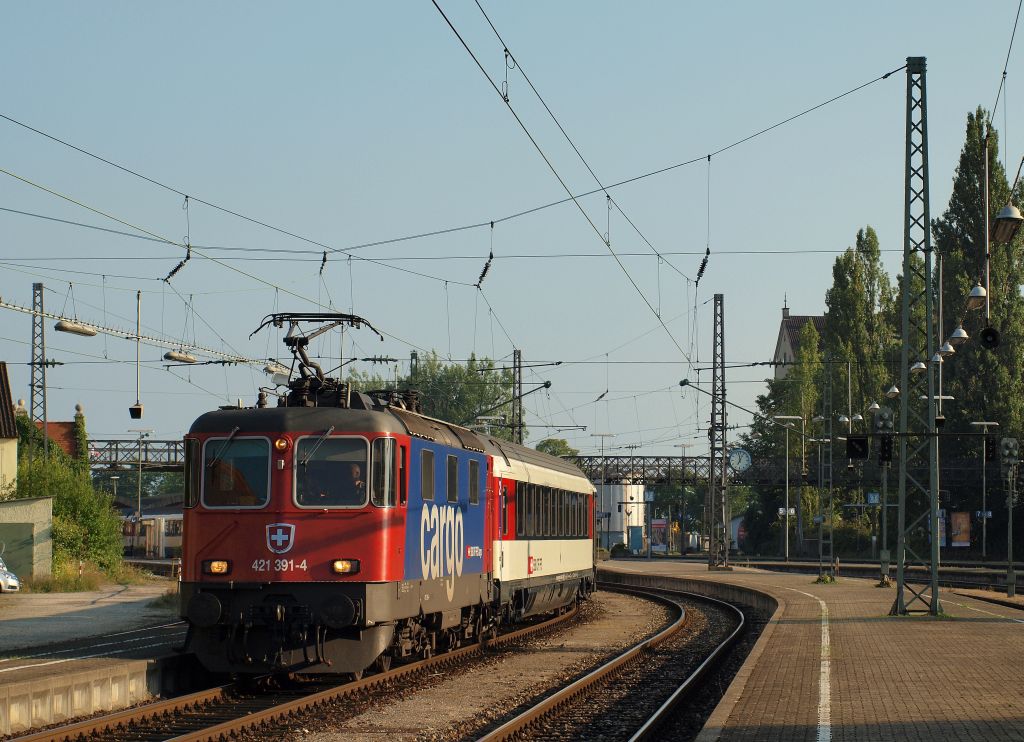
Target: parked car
x=9 y=582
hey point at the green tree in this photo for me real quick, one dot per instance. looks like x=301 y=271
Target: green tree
x=987 y=384
x=85 y=524
x=860 y=335
x=557 y=447
x=454 y=392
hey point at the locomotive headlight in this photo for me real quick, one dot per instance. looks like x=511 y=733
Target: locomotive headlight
x=216 y=566
x=345 y=566
x=281 y=444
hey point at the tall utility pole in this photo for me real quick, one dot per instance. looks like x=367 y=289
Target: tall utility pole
x=37 y=389
x=718 y=479
x=517 y=395
x=918 y=520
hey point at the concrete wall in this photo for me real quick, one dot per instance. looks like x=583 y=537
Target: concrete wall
x=26 y=528
x=8 y=463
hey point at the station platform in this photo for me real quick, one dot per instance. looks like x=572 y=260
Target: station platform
x=68 y=654
x=833 y=665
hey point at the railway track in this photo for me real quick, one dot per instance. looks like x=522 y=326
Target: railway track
x=639 y=692
x=222 y=712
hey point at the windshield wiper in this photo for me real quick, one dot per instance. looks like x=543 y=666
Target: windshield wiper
x=223 y=448
x=316 y=445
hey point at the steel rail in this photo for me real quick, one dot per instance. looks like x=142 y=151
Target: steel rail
x=549 y=705
x=110 y=723
x=651 y=726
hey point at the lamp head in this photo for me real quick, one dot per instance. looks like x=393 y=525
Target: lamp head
x=1008 y=221
x=976 y=299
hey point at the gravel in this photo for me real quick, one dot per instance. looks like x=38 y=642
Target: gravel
x=458 y=704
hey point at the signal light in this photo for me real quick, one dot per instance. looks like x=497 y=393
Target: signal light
x=857 y=447
x=885 y=449
x=345 y=566
x=990 y=448
x=216 y=567
x=989 y=338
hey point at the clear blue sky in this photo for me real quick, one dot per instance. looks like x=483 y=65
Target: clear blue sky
x=350 y=123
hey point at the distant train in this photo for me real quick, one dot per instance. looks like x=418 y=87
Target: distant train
x=341 y=530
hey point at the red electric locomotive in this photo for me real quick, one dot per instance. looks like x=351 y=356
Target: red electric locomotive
x=339 y=529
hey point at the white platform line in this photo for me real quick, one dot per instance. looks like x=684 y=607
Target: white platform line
x=825 y=673
x=72 y=659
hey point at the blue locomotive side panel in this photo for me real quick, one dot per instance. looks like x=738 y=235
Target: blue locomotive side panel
x=445 y=525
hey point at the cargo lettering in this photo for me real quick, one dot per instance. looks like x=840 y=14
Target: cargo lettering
x=442 y=544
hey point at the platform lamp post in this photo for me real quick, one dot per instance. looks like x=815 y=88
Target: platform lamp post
x=788 y=425
x=985 y=454
x=143 y=433
x=817 y=419
x=682 y=496
x=604 y=483
x=1009 y=454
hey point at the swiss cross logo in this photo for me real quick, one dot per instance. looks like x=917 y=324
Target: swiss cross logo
x=280 y=537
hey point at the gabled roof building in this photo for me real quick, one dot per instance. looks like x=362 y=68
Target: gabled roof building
x=788 y=343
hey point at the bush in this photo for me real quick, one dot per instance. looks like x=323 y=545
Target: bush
x=85 y=525
x=619 y=550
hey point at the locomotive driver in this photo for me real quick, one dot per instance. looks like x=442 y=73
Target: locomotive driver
x=357 y=484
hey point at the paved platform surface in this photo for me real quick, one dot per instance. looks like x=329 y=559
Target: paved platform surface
x=67 y=654
x=832 y=665
x=44 y=634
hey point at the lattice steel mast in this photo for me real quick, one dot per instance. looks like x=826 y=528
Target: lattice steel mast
x=717 y=501
x=918 y=525
x=517 y=395
x=37 y=387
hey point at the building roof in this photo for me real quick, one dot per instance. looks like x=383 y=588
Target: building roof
x=8 y=428
x=63 y=434
x=793 y=325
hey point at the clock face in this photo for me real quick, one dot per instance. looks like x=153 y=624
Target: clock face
x=739 y=460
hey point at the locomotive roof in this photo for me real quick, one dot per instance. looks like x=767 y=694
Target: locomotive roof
x=513 y=460
x=294 y=419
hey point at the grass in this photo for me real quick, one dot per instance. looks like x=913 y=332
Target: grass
x=69 y=577
x=167 y=601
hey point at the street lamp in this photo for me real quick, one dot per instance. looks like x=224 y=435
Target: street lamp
x=984 y=494
x=1008 y=221
x=789 y=426
x=143 y=433
x=817 y=419
x=604 y=484
x=959 y=336
x=682 y=498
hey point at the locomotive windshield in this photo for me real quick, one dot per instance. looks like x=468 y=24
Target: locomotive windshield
x=236 y=472
x=331 y=472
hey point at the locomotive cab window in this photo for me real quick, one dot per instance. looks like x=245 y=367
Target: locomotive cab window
x=330 y=472
x=236 y=472
x=193 y=470
x=382 y=492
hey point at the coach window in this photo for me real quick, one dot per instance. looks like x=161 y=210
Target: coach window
x=236 y=472
x=331 y=472
x=382 y=461
x=503 y=513
x=548 y=520
x=535 y=511
x=474 y=482
x=453 y=479
x=427 y=474
x=573 y=513
x=520 y=510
